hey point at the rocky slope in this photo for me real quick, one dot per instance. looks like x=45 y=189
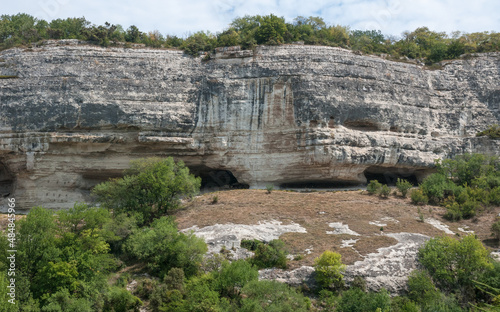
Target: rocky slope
x=72 y=115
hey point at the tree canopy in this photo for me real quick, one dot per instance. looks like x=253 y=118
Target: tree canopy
x=422 y=43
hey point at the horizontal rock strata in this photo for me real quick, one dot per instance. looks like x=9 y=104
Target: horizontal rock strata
x=73 y=115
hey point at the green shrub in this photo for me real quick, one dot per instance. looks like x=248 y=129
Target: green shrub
x=215 y=199
x=373 y=187
x=232 y=277
x=272 y=255
x=469 y=208
x=493 y=132
x=495 y=229
x=494 y=196
x=436 y=186
x=150 y=188
x=454 y=264
x=163 y=248
x=403 y=304
x=421 y=289
x=121 y=300
x=418 y=197
x=403 y=186
x=269 y=188
x=453 y=211
x=200 y=296
x=251 y=244
x=329 y=269
x=260 y=296
x=175 y=279
x=384 y=191
x=355 y=300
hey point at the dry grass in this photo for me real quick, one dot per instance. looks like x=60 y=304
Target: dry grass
x=314 y=211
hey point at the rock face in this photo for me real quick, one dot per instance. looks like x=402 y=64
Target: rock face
x=73 y=115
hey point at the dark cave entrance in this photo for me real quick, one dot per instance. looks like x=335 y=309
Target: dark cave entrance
x=320 y=184
x=7 y=180
x=213 y=180
x=390 y=175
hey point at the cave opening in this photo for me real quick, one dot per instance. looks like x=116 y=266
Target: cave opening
x=216 y=179
x=390 y=175
x=319 y=184
x=7 y=180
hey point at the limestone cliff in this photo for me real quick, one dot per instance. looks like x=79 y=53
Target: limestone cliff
x=72 y=115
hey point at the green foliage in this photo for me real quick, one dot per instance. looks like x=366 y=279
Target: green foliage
x=232 y=277
x=250 y=244
x=121 y=300
x=422 y=44
x=421 y=289
x=163 y=247
x=384 y=191
x=494 y=196
x=62 y=301
x=270 y=255
x=418 y=197
x=465 y=168
x=403 y=186
x=270 y=30
x=269 y=188
x=493 y=132
x=200 y=41
x=200 y=296
x=435 y=186
x=373 y=187
x=329 y=269
x=150 y=188
x=495 y=229
x=403 y=304
x=260 y=296
x=455 y=264
x=356 y=300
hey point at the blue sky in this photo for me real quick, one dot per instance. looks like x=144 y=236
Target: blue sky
x=180 y=17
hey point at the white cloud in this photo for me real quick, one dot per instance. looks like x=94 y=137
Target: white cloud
x=181 y=17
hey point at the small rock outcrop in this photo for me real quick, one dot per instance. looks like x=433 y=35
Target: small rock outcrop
x=73 y=115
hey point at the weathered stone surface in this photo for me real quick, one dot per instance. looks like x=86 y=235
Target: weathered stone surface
x=77 y=114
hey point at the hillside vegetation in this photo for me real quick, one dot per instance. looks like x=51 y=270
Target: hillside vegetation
x=421 y=44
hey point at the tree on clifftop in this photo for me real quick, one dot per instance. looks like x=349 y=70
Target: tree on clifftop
x=150 y=188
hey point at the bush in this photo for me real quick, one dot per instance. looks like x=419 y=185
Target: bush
x=272 y=255
x=121 y=300
x=329 y=269
x=355 y=300
x=403 y=304
x=436 y=186
x=269 y=188
x=418 y=197
x=494 y=196
x=233 y=276
x=164 y=248
x=493 y=132
x=495 y=230
x=200 y=296
x=455 y=264
x=373 y=187
x=384 y=191
x=250 y=244
x=150 y=188
x=453 y=211
x=260 y=296
x=403 y=186
x=421 y=289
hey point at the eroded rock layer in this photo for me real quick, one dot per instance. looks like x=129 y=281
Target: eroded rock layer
x=72 y=115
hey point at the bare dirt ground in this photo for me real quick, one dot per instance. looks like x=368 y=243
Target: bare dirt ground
x=317 y=210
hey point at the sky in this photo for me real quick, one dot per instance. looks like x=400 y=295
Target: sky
x=182 y=17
